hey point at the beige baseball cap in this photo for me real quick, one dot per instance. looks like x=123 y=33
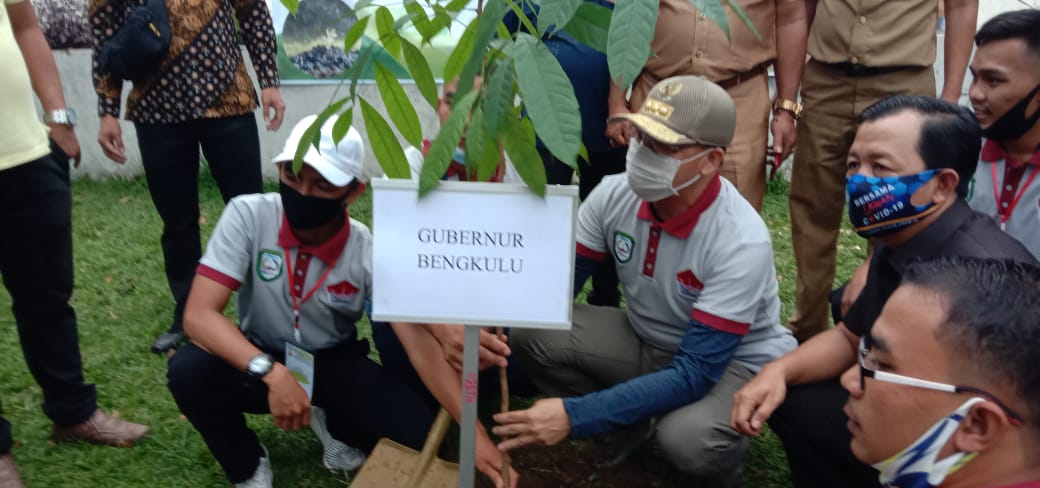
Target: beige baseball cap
x=686 y=110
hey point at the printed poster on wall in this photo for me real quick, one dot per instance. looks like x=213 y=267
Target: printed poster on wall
x=310 y=44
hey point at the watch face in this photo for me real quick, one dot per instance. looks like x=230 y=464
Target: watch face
x=71 y=116
x=260 y=365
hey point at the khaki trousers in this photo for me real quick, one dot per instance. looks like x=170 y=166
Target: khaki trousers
x=600 y=351
x=833 y=103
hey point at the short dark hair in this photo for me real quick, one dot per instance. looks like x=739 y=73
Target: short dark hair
x=992 y=320
x=1016 y=24
x=950 y=135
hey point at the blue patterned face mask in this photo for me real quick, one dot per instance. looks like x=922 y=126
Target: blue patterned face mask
x=879 y=206
x=916 y=466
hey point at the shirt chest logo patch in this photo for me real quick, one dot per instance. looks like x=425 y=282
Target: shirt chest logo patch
x=342 y=292
x=269 y=264
x=689 y=286
x=624 y=245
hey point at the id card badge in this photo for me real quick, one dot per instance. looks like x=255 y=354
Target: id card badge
x=300 y=363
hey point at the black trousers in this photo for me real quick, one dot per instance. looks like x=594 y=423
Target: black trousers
x=605 y=280
x=812 y=426
x=363 y=402
x=36 y=266
x=170 y=155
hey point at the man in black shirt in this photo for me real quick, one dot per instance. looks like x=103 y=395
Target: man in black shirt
x=908 y=172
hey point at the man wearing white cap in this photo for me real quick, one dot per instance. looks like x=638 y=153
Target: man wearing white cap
x=302 y=271
x=703 y=313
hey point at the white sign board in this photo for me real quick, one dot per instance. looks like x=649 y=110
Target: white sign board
x=473 y=254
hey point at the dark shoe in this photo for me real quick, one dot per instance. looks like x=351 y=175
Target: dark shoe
x=167 y=341
x=9 y=477
x=102 y=429
x=615 y=447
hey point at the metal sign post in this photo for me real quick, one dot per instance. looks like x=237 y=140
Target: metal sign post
x=468 y=425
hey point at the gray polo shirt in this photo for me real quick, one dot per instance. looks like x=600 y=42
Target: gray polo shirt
x=713 y=264
x=248 y=252
x=1008 y=190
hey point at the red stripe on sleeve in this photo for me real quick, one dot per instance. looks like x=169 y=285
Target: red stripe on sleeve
x=589 y=253
x=219 y=277
x=725 y=325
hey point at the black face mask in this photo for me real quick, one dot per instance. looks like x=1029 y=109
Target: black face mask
x=307 y=212
x=1014 y=123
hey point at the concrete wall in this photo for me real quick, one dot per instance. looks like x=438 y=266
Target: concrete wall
x=303 y=100
x=300 y=100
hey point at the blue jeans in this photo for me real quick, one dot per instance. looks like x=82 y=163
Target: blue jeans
x=36 y=265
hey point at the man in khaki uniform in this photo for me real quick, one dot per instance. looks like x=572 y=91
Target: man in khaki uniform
x=686 y=42
x=862 y=51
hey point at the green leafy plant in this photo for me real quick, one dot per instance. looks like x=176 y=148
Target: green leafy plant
x=523 y=90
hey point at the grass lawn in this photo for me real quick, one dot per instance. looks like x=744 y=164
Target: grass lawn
x=123 y=303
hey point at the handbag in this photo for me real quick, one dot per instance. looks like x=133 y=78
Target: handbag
x=140 y=45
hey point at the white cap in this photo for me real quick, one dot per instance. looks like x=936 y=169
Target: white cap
x=339 y=164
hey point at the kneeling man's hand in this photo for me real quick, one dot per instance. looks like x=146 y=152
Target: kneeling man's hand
x=756 y=401
x=493 y=351
x=545 y=423
x=288 y=401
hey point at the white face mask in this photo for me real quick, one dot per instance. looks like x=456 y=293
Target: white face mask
x=650 y=174
x=916 y=466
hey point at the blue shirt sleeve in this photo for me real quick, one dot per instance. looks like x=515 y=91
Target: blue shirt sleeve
x=583 y=268
x=702 y=358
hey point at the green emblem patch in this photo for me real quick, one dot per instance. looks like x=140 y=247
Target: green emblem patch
x=269 y=264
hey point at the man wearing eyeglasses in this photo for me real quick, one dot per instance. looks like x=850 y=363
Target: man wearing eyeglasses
x=946 y=393
x=908 y=172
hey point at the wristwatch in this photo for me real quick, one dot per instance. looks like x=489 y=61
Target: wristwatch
x=259 y=366
x=64 y=116
x=789 y=106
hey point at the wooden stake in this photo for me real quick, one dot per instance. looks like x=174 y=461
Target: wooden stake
x=503 y=380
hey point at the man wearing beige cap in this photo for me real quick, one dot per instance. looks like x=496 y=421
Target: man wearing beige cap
x=302 y=270
x=696 y=266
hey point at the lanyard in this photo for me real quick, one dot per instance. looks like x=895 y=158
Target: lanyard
x=1005 y=212
x=296 y=304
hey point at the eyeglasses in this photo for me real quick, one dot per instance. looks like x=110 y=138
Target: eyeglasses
x=868 y=369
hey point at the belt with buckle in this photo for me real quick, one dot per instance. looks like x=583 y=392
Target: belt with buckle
x=856 y=70
x=742 y=77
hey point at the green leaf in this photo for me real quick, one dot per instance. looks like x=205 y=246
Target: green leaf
x=292 y=5
x=355 y=33
x=384 y=143
x=420 y=71
x=359 y=67
x=590 y=25
x=398 y=106
x=486 y=22
x=456 y=5
x=519 y=142
x=737 y=9
x=361 y=4
x=555 y=14
x=387 y=34
x=583 y=153
x=401 y=21
x=482 y=151
x=342 y=125
x=426 y=27
x=549 y=97
x=715 y=12
x=628 y=43
x=313 y=133
x=503 y=32
x=500 y=96
x=443 y=146
x=459 y=55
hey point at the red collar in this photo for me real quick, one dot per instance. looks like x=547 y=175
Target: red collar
x=328 y=251
x=993 y=152
x=682 y=225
